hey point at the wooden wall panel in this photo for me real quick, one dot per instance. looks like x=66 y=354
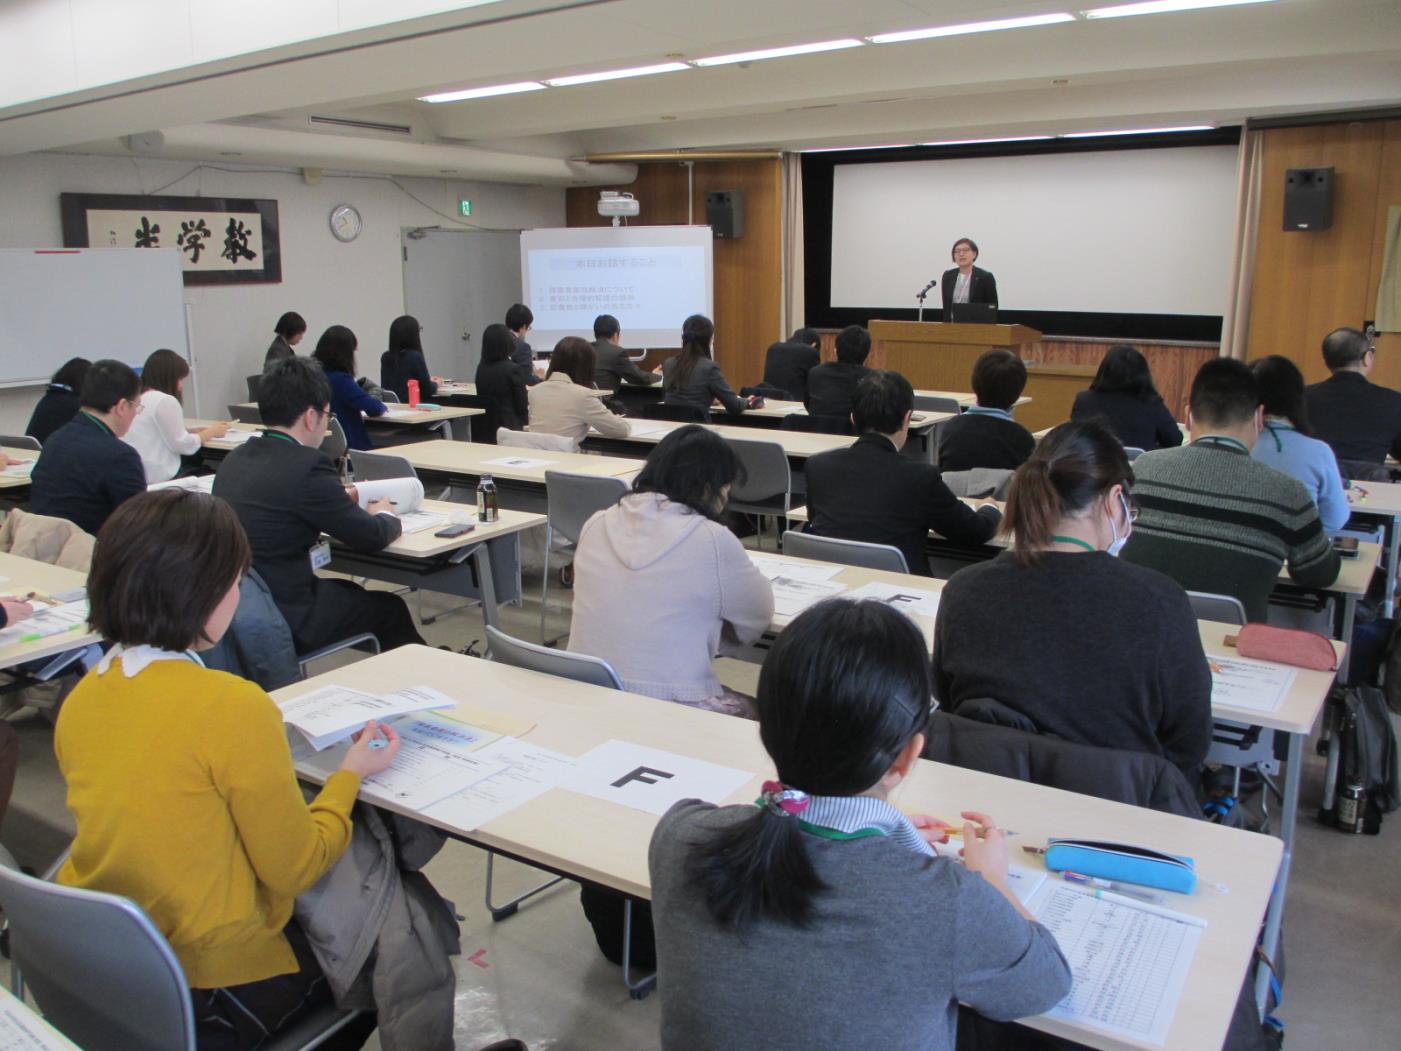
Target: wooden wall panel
x=1388 y=367
x=748 y=269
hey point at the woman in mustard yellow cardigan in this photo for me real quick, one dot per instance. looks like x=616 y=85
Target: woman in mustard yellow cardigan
x=181 y=779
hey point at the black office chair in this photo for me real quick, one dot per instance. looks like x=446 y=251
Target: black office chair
x=798 y=421
x=252 y=382
x=675 y=413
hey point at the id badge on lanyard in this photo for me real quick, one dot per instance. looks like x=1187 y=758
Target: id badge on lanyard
x=320 y=555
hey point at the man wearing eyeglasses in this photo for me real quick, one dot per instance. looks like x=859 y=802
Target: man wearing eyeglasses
x=1360 y=419
x=85 y=469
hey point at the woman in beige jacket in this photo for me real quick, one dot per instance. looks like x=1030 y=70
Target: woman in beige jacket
x=566 y=402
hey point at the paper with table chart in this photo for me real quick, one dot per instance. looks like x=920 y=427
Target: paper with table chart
x=51 y=617
x=332 y=713
x=1239 y=682
x=773 y=568
x=23 y=1030
x=517 y=461
x=527 y=771
x=792 y=596
x=910 y=601
x=203 y=483
x=646 y=778
x=418 y=521
x=1128 y=964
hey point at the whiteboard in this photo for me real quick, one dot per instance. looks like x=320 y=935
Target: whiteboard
x=93 y=303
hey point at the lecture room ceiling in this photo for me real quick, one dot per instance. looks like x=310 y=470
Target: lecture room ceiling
x=1213 y=66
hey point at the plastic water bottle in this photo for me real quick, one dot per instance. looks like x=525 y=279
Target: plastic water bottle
x=413 y=394
x=487 y=509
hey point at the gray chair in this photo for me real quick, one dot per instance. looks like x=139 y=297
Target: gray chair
x=245 y=414
x=20 y=441
x=372 y=466
x=767 y=488
x=980 y=481
x=1133 y=452
x=930 y=403
x=572 y=500
x=557 y=443
x=105 y=977
x=844 y=552
x=388 y=397
x=252 y=382
x=334 y=444
x=1225 y=609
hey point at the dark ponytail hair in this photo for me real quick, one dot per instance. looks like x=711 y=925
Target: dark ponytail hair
x=1074 y=465
x=843 y=690
x=696 y=333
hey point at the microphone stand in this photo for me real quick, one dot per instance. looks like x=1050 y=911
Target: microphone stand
x=923 y=292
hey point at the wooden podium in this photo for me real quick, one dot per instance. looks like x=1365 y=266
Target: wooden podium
x=937 y=356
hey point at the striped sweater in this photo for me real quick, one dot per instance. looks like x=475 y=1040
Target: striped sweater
x=1218 y=521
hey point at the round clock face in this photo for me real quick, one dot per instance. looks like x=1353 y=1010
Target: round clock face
x=345 y=222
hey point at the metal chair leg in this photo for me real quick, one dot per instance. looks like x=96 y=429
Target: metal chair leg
x=508 y=909
x=638 y=990
x=545 y=581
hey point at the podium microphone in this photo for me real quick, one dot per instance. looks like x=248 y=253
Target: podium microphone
x=925 y=290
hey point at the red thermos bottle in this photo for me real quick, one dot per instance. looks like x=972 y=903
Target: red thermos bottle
x=413 y=394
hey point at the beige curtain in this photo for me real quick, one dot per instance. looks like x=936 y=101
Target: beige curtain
x=1235 y=326
x=793 y=313
x=1389 y=291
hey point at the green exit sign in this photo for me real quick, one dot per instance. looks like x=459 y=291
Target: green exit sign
x=464 y=206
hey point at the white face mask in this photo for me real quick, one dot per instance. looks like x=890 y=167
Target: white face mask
x=1119 y=541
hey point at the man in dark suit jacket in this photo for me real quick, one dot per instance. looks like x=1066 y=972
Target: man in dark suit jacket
x=612 y=368
x=519 y=319
x=982 y=286
x=830 y=386
x=286 y=493
x=870 y=492
x=1358 y=418
x=86 y=469
x=787 y=364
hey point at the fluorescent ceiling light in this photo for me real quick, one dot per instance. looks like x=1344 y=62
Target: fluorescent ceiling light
x=975 y=142
x=1136 y=131
x=484 y=93
x=615 y=74
x=972 y=27
x=778 y=52
x=1158 y=7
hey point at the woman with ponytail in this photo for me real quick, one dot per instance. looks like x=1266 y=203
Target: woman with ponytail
x=820 y=915
x=692 y=378
x=1087 y=647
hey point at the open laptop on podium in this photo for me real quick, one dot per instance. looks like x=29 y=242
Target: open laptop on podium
x=972 y=314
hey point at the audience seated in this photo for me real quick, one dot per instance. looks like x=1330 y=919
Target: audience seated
x=692 y=377
x=986 y=435
x=658 y=578
x=86 y=470
x=1123 y=395
x=822 y=890
x=870 y=492
x=1359 y=419
x=500 y=385
x=404 y=361
x=286 y=493
x=60 y=402
x=1086 y=646
x=1214 y=518
x=612 y=366
x=787 y=363
x=1286 y=445
x=565 y=403
x=519 y=318
x=287 y=333
x=158 y=433
x=830 y=385
x=350 y=402
x=187 y=803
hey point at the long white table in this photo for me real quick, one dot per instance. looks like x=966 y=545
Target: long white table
x=23 y=575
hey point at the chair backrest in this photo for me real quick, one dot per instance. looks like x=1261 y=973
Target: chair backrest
x=507 y=649
x=334 y=444
x=97 y=967
x=1225 y=609
x=930 y=403
x=1133 y=452
x=20 y=441
x=558 y=443
x=574 y=498
x=389 y=397
x=245 y=413
x=676 y=413
x=370 y=466
x=802 y=421
x=844 y=552
x=252 y=382
x=766 y=472
x=980 y=481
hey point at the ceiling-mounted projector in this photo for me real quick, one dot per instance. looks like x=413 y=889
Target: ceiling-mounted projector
x=615 y=204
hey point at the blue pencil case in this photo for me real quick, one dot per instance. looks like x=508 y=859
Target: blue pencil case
x=1122 y=862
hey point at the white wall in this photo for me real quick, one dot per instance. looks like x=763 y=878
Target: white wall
x=358 y=284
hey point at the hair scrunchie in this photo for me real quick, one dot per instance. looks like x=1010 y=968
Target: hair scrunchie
x=783 y=801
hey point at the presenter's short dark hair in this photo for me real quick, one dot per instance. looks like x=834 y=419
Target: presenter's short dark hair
x=290 y=386
x=1224 y=393
x=519 y=317
x=108 y=382
x=807 y=336
x=999 y=377
x=853 y=345
x=964 y=241
x=1344 y=347
x=290 y=324
x=880 y=401
x=606 y=326
x=162 y=563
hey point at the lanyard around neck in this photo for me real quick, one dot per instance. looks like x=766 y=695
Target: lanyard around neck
x=1076 y=541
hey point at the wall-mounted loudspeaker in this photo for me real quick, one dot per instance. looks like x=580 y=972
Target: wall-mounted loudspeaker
x=724 y=211
x=1308 y=199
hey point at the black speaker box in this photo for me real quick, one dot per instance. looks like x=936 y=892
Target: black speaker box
x=724 y=211
x=1308 y=199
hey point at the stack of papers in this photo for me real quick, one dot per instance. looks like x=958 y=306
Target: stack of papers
x=51 y=617
x=333 y=713
x=1238 y=682
x=418 y=521
x=19 y=470
x=797 y=585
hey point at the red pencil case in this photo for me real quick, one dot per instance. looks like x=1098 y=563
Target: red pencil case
x=1303 y=649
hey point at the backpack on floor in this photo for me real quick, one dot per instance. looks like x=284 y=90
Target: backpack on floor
x=1368 y=750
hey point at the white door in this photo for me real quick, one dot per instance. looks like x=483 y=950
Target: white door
x=456 y=282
